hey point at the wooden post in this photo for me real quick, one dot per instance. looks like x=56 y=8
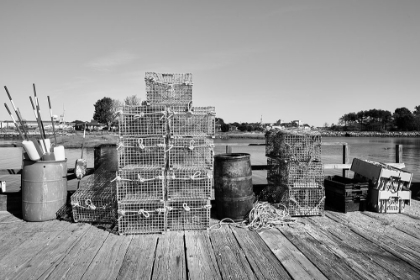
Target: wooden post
x=228 y=149
x=398 y=153
x=345 y=157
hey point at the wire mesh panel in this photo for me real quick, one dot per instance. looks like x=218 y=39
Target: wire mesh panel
x=142 y=152
x=140 y=184
x=168 y=88
x=189 y=183
x=94 y=205
x=198 y=121
x=190 y=153
x=296 y=144
x=295 y=174
x=147 y=120
x=306 y=201
x=141 y=217
x=188 y=214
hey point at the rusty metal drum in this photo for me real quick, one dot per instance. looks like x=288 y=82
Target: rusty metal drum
x=44 y=189
x=233 y=187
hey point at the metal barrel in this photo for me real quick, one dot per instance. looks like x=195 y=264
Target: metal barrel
x=233 y=187
x=44 y=189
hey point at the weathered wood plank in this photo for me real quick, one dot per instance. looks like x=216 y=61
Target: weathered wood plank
x=78 y=259
x=366 y=258
x=138 y=261
x=170 y=257
x=108 y=260
x=230 y=258
x=263 y=262
x=18 y=258
x=320 y=254
x=201 y=261
x=396 y=242
x=296 y=264
x=52 y=254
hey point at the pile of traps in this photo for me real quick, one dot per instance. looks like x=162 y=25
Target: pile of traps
x=165 y=159
x=295 y=171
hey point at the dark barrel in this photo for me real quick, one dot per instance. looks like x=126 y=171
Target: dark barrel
x=233 y=188
x=44 y=189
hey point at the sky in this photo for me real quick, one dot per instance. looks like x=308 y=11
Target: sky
x=313 y=60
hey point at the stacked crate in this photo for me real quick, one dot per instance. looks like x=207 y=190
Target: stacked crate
x=166 y=159
x=389 y=187
x=295 y=172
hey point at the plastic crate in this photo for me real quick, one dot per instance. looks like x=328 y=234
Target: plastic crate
x=295 y=174
x=141 y=217
x=142 y=152
x=191 y=153
x=189 y=183
x=136 y=184
x=389 y=201
x=296 y=144
x=143 y=121
x=197 y=121
x=188 y=214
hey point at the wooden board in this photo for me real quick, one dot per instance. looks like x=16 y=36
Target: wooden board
x=170 y=257
x=79 y=257
x=139 y=259
x=108 y=260
x=201 y=261
x=230 y=257
x=263 y=262
x=296 y=264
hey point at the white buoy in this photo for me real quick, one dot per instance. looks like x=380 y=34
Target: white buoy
x=47 y=145
x=30 y=149
x=59 y=153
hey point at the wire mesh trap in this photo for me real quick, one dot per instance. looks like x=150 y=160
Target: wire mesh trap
x=94 y=205
x=188 y=214
x=147 y=120
x=142 y=152
x=140 y=184
x=306 y=201
x=189 y=183
x=141 y=217
x=299 y=145
x=295 y=174
x=190 y=153
x=197 y=121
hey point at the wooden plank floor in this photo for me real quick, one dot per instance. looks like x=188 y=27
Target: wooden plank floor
x=356 y=245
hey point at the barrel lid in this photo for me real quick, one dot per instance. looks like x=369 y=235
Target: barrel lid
x=232 y=156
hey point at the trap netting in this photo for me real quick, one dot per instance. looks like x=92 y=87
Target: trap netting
x=143 y=120
x=197 y=121
x=142 y=152
x=141 y=217
x=296 y=144
x=135 y=184
x=189 y=183
x=188 y=214
x=168 y=89
x=295 y=174
x=190 y=153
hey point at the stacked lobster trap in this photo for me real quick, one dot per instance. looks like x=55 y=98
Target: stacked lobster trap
x=165 y=158
x=295 y=172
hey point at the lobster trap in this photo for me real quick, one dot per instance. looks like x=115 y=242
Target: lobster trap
x=197 y=121
x=141 y=217
x=188 y=214
x=168 y=89
x=190 y=153
x=299 y=145
x=142 y=152
x=295 y=174
x=136 y=184
x=95 y=206
x=143 y=120
x=305 y=201
x=189 y=183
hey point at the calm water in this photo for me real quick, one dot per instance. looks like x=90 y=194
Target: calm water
x=377 y=149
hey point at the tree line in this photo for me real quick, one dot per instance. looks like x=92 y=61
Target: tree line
x=380 y=120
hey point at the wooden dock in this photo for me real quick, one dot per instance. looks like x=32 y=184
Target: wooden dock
x=356 y=245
